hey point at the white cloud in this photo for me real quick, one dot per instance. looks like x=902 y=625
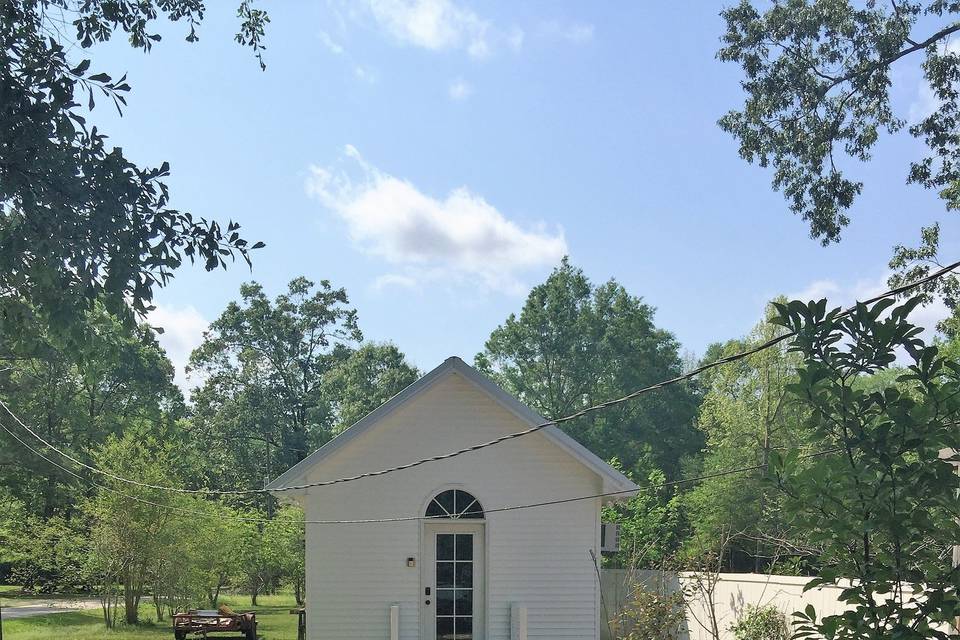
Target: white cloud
x=365 y=73
x=460 y=90
x=440 y=25
x=398 y=280
x=819 y=289
x=573 y=32
x=331 y=45
x=515 y=37
x=460 y=239
x=432 y=24
x=183 y=329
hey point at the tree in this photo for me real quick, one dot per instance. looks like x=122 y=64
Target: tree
x=881 y=499
x=79 y=222
x=130 y=524
x=198 y=556
x=575 y=344
x=76 y=396
x=282 y=377
x=284 y=347
x=746 y=414
x=48 y=554
x=912 y=264
x=653 y=524
x=265 y=364
x=289 y=532
x=367 y=378
x=263 y=555
x=817 y=79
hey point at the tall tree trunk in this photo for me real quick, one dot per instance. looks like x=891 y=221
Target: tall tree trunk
x=298 y=589
x=130 y=600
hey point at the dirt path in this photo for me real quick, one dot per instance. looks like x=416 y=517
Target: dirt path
x=19 y=608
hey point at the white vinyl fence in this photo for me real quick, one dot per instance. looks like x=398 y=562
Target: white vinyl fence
x=733 y=592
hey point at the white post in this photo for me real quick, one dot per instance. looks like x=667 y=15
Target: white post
x=518 y=622
x=395 y=622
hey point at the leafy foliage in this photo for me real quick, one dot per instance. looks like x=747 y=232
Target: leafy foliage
x=79 y=222
x=284 y=376
x=79 y=395
x=910 y=264
x=653 y=524
x=49 y=555
x=817 y=75
x=761 y=623
x=367 y=378
x=272 y=356
x=882 y=503
x=575 y=344
x=746 y=414
x=652 y=614
x=131 y=526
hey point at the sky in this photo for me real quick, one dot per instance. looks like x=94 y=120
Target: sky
x=438 y=158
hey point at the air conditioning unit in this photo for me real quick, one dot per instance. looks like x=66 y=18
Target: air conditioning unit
x=609 y=537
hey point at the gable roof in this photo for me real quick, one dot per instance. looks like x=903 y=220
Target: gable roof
x=612 y=479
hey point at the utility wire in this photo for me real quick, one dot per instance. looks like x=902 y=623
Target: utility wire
x=510 y=436
x=517 y=507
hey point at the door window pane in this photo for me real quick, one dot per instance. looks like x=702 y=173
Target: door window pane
x=465 y=546
x=445 y=602
x=464 y=628
x=464 y=602
x=444 y=574
x=445 y=543
x=445 y=628
x=464 y=575
x=446 y=501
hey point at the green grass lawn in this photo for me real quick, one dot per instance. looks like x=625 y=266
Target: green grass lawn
x=274 y=622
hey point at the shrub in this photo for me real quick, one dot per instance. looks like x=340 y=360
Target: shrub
x=761 y=623
x=651 y=615
x=50 y=557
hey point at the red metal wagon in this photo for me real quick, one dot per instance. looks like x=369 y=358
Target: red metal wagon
x=201 y=622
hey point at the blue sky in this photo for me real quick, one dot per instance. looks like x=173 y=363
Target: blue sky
x=437 y=159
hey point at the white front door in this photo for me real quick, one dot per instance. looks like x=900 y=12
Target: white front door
x=452 y=582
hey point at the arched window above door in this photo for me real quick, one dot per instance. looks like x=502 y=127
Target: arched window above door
x=455 y=504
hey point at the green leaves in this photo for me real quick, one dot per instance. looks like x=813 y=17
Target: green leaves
x=81 y=223
x=749 y=419
x=883 y=508
x=284 y=375
x=817 y=79
x=575 y=344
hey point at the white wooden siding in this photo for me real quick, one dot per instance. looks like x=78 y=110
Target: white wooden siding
x=538 y=557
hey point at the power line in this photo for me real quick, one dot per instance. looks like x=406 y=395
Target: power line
x=518 y=507
x=510 y=436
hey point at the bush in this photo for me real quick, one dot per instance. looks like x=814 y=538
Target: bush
x=51 y=557
x=651 y=615
x=761 y=623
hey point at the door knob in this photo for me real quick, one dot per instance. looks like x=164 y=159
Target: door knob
x=427 y=603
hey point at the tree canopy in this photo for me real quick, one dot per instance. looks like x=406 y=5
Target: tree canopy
x=575 y=344
x=747 y=414
x=81 y=224
x=817 y=78
x=283 y=376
